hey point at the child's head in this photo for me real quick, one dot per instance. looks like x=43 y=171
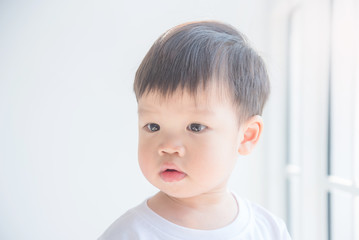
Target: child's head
x=200 y=55
x=194 y=87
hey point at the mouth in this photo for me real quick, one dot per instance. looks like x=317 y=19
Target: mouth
x=172 y=175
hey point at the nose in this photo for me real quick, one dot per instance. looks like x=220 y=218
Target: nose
x=171 y=146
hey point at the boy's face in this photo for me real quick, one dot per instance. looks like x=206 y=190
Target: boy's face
x=188 y=146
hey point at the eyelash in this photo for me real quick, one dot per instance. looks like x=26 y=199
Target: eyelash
x=196 y=125
x=154 y=127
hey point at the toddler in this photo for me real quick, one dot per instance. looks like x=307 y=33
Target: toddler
x=200 y=91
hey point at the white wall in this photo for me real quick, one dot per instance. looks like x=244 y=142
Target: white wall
x=68 y=123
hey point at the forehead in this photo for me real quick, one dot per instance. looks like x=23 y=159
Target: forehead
x=202 y=101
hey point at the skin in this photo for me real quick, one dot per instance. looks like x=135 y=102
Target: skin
x=200 y=137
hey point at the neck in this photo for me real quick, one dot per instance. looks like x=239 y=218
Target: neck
x=206 y=211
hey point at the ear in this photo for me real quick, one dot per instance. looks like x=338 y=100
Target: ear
x=249 y=134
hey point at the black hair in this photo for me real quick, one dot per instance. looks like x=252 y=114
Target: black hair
x=190 y=56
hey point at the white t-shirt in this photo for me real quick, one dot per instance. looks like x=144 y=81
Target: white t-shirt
x=252 y=222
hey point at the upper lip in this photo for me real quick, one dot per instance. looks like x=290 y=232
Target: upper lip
x=169 y=166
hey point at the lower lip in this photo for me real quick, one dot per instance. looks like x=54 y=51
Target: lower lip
x=172 y=176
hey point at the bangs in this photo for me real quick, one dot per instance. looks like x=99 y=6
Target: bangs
x=191 y=57
x=186 y=60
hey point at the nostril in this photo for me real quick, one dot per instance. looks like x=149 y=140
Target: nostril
x=171 y=150
x=167 y=151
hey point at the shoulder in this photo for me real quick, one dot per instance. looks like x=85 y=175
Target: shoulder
x=263 y=216
x=266 y=224
x=131 y=225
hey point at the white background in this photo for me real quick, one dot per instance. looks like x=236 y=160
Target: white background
x=68 y=121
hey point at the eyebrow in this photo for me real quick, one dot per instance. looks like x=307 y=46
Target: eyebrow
x=202 y=111
x=205 y=111
x=144 y=110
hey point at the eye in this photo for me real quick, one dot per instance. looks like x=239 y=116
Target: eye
x=196 y=127
x=152 y=127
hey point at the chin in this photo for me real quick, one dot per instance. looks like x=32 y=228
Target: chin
x=177 y=192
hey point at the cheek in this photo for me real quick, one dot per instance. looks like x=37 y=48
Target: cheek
x=145 y=145
x=214 y=154
x=222 y=145
x=145 y=157
x=204 y=154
